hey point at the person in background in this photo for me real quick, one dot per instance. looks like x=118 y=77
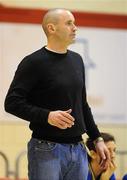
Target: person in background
x=97 y=172
x=124 y=177
x=48 y=90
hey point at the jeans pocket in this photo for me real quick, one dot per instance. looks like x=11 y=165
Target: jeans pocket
x=45 y=146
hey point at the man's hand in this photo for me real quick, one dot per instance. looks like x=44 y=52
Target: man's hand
x=61 y=119
x=104 y=154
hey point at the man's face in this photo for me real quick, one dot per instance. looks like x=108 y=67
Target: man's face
x=65 y=28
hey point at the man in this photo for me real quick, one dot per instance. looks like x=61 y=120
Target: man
x=96 y=171
x=48 y=90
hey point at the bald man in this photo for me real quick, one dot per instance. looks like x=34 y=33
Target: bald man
x=48 y=90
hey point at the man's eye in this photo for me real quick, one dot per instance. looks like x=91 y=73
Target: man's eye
x=69 y=23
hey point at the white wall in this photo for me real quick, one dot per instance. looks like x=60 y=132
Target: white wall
x=106 y=75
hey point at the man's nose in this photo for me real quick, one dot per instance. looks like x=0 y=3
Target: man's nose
x=74 y=28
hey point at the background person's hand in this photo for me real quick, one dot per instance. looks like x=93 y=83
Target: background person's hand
x=61 y=119
x=109 y=171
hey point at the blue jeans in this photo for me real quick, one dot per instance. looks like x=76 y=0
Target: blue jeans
x=55 y=161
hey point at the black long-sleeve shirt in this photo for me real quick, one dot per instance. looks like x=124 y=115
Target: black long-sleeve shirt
x=47 y=81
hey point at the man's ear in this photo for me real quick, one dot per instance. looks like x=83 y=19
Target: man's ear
x=93 y=154
x=51 y=28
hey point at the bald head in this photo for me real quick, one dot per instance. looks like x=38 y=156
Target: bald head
x=52 y=16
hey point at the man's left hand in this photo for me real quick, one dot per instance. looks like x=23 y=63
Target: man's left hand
x=104 y=154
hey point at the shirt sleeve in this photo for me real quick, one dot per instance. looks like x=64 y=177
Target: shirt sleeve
x=16 y=103
x=91 y=127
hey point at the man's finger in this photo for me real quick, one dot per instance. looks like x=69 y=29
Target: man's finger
x=67 y=115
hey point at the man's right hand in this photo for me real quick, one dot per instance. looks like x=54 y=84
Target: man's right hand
x=61 y=119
